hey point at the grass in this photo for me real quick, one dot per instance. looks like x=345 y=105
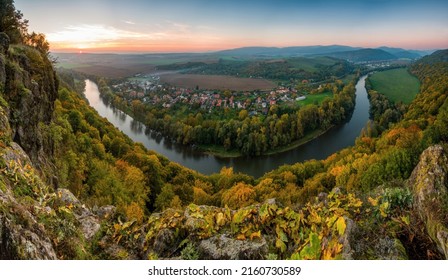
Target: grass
x=396 y=84
x=315 y=98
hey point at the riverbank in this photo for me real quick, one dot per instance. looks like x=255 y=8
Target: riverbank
x=318 y=145
x=221 y=152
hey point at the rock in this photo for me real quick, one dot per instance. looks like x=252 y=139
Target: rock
x=348 y=238
x=31 y=91
x=16 y=154
x=429 y=184
x=21 y=237
x=5 y=129
x=389 y=249
x=67 y=197
x=164 y=243
x=221 y=247
x=106 y=212
x=89 y=223
x=4 y=42
x=2 y=74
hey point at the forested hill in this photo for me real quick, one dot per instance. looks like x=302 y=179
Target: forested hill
x=73 y=187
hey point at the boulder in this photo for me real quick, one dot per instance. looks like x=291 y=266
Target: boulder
x=222 y=247
x=164 y=243
x=429 y=184
x=106 y=212
x=24 y=242
x=89 y=223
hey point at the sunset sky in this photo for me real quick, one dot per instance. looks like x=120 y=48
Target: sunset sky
x=208 y=25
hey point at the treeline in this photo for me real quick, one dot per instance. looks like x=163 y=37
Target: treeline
x=249 y=135
x=280 y=70
x=383 y=111
x=15 y=27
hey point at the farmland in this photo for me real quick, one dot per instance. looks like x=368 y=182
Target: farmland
x=396 y=84
x=216 y=82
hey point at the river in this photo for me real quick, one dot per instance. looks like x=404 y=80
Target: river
x=333 y=140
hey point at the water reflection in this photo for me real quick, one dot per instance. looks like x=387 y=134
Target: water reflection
x=136 y=126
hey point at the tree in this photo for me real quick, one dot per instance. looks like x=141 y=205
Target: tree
x=12 y=22
x=38 y=41
x=239 y=195
x=243 y=115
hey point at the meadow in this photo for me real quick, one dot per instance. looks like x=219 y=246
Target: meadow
x=396 y=84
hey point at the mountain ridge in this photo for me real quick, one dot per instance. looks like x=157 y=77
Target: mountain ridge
x=338 y=51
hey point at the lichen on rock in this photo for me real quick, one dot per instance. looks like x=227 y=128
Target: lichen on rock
x=429 y=183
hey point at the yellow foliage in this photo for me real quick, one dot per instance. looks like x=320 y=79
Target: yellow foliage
x=134 y=211
x=239 y=195
x=336 y=171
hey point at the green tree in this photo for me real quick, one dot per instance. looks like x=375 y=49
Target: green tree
x=12 y=22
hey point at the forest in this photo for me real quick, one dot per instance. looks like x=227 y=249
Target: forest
x=289 y=69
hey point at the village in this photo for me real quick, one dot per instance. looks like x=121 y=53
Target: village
x=151 y=91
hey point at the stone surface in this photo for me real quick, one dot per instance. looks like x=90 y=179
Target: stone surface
x=89 y=222
x=348 y=238
x=429 y=183
x=163 y=243
x=222 y=247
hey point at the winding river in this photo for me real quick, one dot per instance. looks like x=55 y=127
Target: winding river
x=336 y=138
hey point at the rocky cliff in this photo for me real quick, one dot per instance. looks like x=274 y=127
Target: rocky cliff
x=29 y=88
x=36 y=222
x=429 y=183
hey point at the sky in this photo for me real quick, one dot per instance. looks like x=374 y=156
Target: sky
x=201 y=25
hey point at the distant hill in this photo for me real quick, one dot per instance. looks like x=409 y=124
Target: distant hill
x=437 y=56
x=364 y=55
x=287 y=51
x=337 y=51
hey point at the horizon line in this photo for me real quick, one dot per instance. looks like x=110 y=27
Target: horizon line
x=111 y=51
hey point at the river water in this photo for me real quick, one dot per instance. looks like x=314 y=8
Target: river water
x=335 y=139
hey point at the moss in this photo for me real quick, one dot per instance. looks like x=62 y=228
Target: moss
x=190 y=252
x=2 y=185
x=402 y=255
x=3 y=102
x=63 y=230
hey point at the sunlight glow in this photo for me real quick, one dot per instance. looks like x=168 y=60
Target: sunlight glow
x=92 y=36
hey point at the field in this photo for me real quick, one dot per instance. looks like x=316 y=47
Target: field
x=397 y=84
x=216 y=82
x=315 y=98
x=310 y=64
